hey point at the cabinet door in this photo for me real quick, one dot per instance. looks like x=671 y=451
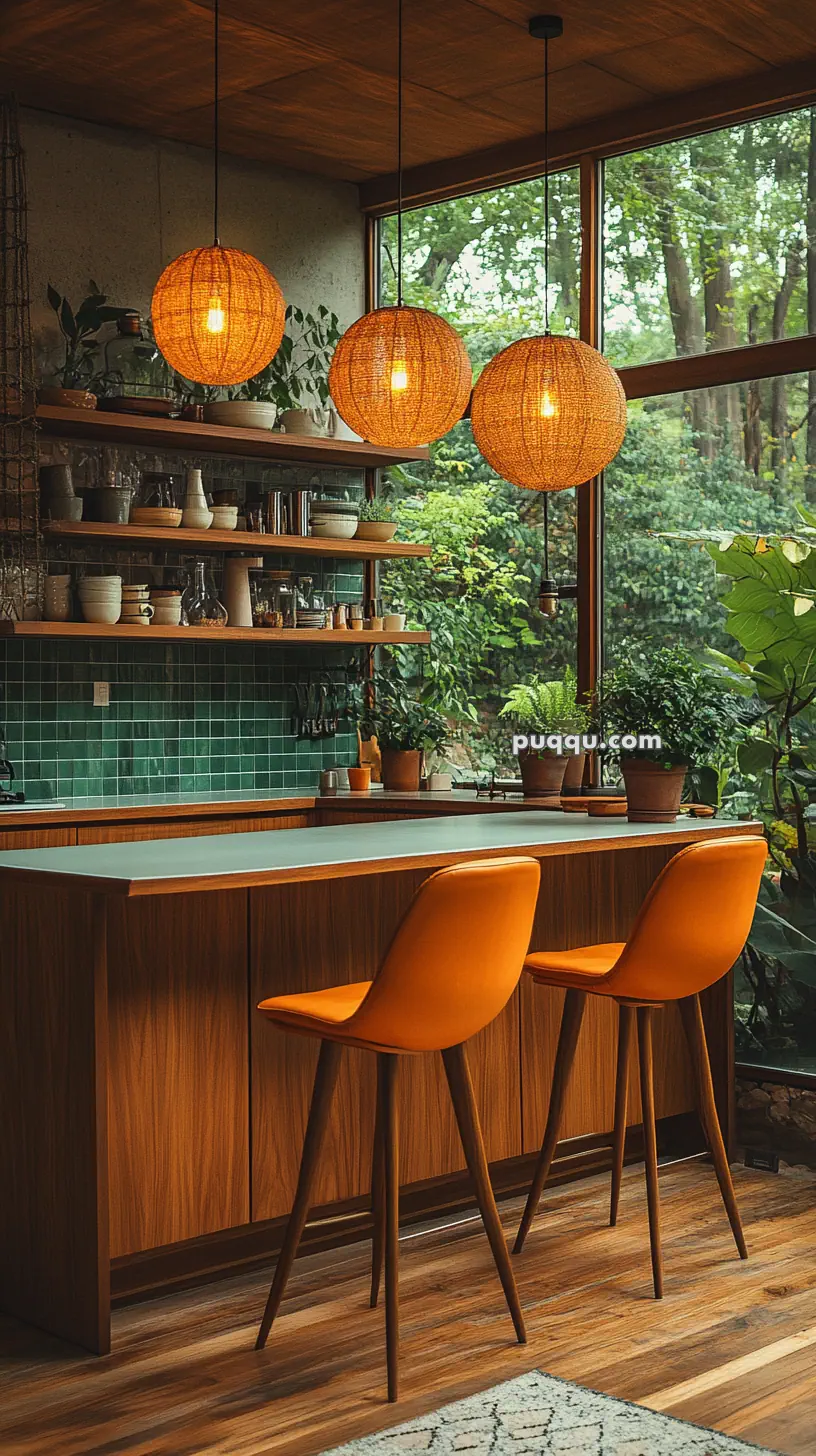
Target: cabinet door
x=36 y=838
x=185 y=828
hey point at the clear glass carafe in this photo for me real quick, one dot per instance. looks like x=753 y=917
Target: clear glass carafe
x=134 y=366
x=200 y=605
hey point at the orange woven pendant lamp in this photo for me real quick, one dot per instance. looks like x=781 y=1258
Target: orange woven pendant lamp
x=400 y=376
x=548 y=412
x=218 y=314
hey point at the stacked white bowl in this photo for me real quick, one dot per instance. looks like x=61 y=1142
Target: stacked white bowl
x=101 y=598
x=333 y=518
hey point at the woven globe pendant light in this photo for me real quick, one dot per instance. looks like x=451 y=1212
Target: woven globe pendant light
x=218 y=314
x=400 y=376
x=548 y=412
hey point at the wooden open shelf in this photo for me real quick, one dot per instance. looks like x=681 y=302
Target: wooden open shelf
x=164 y=434
x=179 y=538
x=264 y=636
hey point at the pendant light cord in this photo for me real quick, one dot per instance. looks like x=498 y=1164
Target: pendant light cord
x=216 y=239
x=399 y=153
x=546 y=185
x=546 y=534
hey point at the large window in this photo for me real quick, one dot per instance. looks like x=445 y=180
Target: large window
x=706 y=241
x=479 y=261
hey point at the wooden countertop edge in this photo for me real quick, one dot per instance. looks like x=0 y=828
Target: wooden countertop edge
x=348 y=869
x=130 y=813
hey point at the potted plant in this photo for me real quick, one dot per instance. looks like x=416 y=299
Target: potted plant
x=293 y=387
x=694 y=713
x=538 y=710
x=405 y=729
x=377 y=522
x=77 y=373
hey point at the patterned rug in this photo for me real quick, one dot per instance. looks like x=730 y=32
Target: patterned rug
x=538 y=1413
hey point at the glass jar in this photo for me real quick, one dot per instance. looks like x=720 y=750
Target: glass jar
x=159 y=489
x=273 y=598
x=134 y=366
x=200 y=605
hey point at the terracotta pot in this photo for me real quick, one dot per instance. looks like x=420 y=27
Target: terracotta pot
x=542 y=773
x=574 y=776
x=360 y=779
x=653 y=793
x=400 y=769
x=70 y=398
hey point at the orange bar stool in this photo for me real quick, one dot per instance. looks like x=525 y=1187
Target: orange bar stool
x=452 y=966
x=690 y=930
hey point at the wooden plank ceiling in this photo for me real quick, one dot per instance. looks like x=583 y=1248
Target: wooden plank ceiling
x=312 y=84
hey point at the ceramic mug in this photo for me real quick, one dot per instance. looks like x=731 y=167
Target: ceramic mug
x=138 y=616
x=394 y=622
x=167 y=614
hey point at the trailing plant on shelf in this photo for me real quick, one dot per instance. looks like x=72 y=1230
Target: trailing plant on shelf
x=298 y=376
x=80 y=331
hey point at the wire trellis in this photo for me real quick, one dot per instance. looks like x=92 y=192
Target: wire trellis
x=20 y=538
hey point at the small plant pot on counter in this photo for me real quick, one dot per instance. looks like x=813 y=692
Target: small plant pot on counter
x=542 y=773
x=653 y=790
x=401 y=769
x=574 y=776
x=360 y=779
x=69 y=398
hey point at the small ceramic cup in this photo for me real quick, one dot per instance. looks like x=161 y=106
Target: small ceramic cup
x=57 y=598
x=360 y=779
x=167 y=613
x=137 y=616
x=394 y=622
x=102 y=611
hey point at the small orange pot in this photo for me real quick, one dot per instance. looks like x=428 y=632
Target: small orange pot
x=360 y=779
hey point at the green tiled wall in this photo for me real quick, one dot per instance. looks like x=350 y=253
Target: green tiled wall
x=182 y=719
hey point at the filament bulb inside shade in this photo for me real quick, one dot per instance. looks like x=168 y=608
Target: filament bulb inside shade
x=215 y=317
x=399 y=377
x=547 y=408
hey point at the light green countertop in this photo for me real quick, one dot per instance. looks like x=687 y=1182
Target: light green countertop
x=233 y=861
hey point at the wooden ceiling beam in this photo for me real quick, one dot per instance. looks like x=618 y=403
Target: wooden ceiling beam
x=720 y=366
x=771 y=90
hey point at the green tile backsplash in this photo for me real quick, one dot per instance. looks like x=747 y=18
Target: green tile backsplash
x=182 y=719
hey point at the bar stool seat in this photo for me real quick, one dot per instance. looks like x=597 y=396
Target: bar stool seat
x=688 y=934
x=587 y=967
x=452 y=966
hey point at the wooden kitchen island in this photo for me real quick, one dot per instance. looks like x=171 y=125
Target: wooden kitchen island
x=152 y=1122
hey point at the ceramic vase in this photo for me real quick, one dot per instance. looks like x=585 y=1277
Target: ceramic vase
x=197 y=515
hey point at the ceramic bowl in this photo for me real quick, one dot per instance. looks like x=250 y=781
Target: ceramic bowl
x=376 y=530
x=99 y=611
x=167 y=616
x=241 y=413
x=224 y=518
x=155 y=516
x=340 y=527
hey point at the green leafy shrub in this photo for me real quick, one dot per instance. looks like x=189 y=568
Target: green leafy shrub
x=378 y=509
x=79 y=331
x=547 y=707
x=668 y=692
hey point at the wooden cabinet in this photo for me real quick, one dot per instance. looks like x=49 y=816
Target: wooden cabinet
x=185 y=828
x=36 y=838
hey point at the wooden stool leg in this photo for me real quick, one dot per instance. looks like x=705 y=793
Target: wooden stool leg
x=377 y=1204
x=645 y=1017
x=692 y=1014
x=467 y=1117
x=325 y=1079
x=626 y=1025
x=571 y=1018
x=387 y=1064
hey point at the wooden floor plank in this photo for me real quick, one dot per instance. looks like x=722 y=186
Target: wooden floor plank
x=731 y=1345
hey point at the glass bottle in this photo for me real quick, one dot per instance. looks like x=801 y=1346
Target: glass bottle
x=199 y=604
x=134 y=366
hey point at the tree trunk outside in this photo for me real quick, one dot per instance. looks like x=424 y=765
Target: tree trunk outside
x=779 y=386
x=752 y=432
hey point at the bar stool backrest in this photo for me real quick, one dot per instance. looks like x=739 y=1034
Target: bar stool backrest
x=694 y=921
x=455 y=959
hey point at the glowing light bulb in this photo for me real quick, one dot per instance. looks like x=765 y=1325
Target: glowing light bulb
x=215 y=317
x=547 y=409
x=399 y=377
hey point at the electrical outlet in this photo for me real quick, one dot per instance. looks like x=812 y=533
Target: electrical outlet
x=101 y=698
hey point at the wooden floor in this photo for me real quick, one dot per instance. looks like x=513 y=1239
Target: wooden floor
x=732 y=1345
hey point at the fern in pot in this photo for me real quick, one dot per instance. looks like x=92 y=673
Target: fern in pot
x=693 y=713
x=540 y=710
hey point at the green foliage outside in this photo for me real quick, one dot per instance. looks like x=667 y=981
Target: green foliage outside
x=536 y=706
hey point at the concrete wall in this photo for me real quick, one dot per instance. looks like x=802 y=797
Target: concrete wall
x=117 y=206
